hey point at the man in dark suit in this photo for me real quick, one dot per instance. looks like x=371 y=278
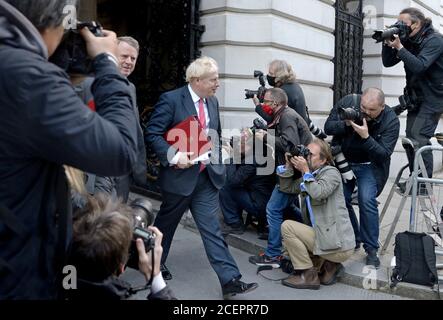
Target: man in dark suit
x=189 y=185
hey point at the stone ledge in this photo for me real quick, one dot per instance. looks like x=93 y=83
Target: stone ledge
x=355 y=272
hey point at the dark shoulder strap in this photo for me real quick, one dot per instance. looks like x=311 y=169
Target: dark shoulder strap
x=11 y=221
x=405 y=254
x=430 y=258
x=64 y=224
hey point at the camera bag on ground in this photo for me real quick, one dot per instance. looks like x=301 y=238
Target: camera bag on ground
x=415 y=259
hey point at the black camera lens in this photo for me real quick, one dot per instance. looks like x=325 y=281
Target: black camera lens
x=300 y=151
x=350 y=114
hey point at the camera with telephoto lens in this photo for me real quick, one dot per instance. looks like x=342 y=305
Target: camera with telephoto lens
x=260 y=93
x=353 y=114
x=316 y=131
x=399 y=28
x=71 y=55
x=341 y=163
x=142 y=217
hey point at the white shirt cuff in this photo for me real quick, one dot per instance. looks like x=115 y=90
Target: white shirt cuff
x=174 y=160
x=158 y=284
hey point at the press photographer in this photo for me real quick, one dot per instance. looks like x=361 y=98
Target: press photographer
x=286 y=130
x=281 y=75
x=128 y=234
x=44 y=126
x=420 y=47
x=368 y=148
x=245 y=188
x=322 y=203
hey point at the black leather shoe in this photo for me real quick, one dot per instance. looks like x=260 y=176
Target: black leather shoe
x=236 y=286
x=165 y=272
x=372 y=259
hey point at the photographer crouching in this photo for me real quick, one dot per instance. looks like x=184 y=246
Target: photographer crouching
x=129 y=241
x=420 y=47
x=367 y=131
x=326 y=231
x=286 y=130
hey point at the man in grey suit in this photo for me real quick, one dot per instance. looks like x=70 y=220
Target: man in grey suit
x=195 y=186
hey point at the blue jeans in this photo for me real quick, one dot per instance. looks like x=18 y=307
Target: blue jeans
x=277 y=205
x=233 y=201
x=368 y=231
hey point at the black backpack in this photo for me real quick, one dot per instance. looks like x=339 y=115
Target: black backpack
x=415 y=259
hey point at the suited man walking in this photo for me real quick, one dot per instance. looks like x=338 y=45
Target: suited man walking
x=186 y=185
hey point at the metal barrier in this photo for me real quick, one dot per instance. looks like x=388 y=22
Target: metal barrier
x=424 y=199
x=429 y=185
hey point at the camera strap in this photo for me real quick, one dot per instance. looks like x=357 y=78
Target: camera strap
x=147 y=286
x=355 y=100
x=260 y=269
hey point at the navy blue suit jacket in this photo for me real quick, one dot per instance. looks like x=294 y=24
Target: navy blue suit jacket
x=173 y=108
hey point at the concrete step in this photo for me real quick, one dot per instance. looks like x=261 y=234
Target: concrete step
x=356 y=273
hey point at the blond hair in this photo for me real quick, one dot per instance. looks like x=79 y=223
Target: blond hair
x=283 y=72
x=201 y=68
x=76 y=179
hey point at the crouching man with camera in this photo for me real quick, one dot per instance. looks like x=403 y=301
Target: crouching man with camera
x=420 y=48
x=326 y=231
x=287 y=130
x=105 y=221
x=368 y=132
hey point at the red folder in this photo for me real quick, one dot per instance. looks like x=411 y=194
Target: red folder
x=189 y=136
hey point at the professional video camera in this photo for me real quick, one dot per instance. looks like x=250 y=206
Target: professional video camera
x=399 y=28
x=260 y=93
x=354 y=114
x=142 y=217
x=71 y=55
x=341 y=163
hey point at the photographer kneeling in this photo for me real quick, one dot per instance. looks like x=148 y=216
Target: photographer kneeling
x=331 y=238
x=420 y=48
x=104 y=221
x=287 y=129
x=368 y=132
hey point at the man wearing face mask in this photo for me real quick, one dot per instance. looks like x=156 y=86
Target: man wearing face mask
x=368 y=147
x=286 y=130
x=421 y=50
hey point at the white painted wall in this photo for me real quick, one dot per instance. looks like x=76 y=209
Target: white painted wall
x=245 y=35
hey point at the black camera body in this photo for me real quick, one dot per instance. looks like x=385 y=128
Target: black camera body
x=259 y=124
x=71 y=55
x=142 y=217
x=408 y=101
x=300 y=151
x=352 y=114
x=261 y=91
x=399 y=28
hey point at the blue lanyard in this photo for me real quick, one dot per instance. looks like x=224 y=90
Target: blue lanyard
x=306 y=177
